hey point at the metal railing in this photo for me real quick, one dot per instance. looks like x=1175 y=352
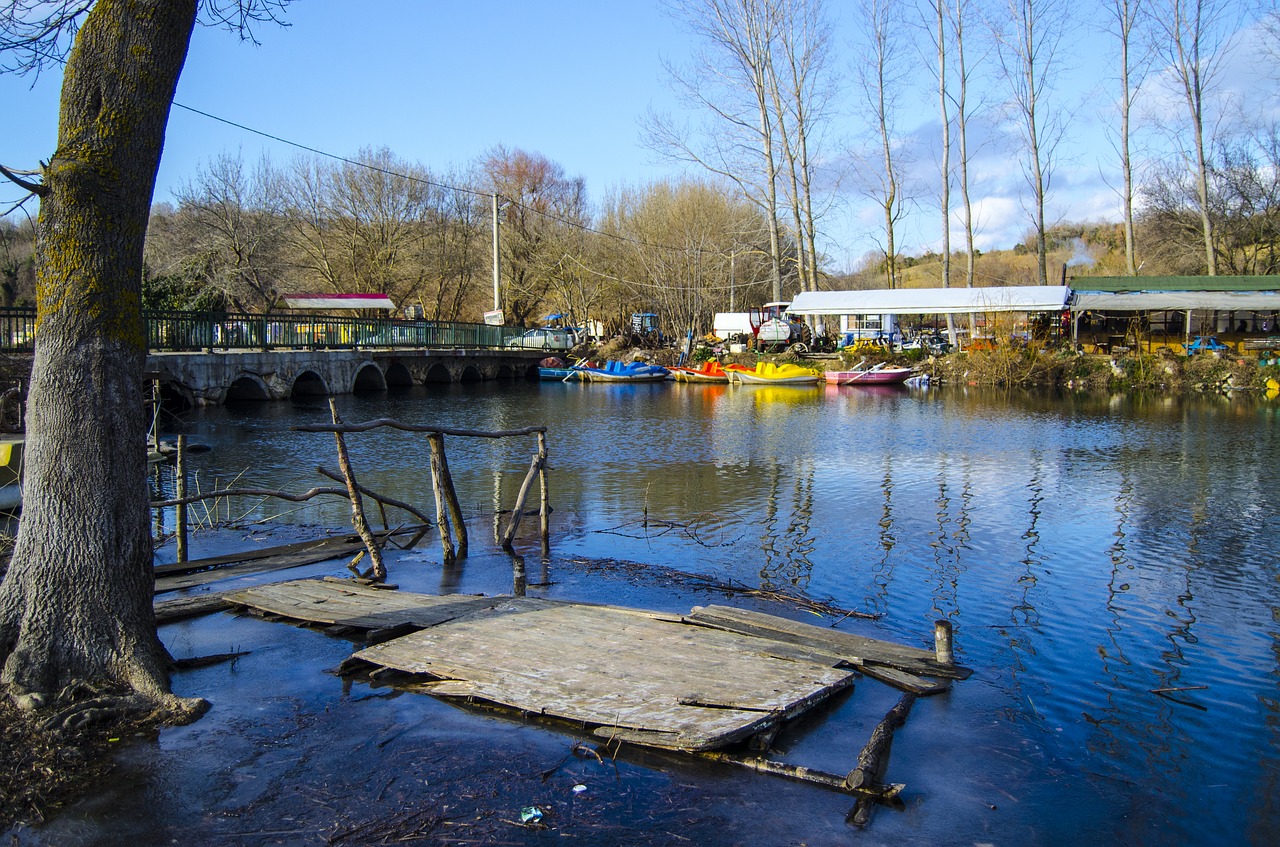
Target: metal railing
x=190 y=331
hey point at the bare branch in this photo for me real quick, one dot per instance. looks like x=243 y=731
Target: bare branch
x=31 y=187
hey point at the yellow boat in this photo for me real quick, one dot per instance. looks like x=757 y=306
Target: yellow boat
x=767 y=373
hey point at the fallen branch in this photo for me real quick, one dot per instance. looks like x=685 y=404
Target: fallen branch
x=866 y=776
x=379 y=498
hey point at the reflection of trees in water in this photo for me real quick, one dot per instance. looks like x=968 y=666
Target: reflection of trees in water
x=1024 y=618
x=1111 y=719
x=877 y=600
x=787 y=540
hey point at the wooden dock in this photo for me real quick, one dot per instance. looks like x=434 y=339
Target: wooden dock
x=692 y=682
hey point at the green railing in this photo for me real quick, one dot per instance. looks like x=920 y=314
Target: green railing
x=190 y=331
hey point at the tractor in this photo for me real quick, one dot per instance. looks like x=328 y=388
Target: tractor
x=772 y=329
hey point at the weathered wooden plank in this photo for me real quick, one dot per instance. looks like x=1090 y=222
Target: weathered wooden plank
x=854 y=648
x=181 y=608
x=630 y=674
x=314 y=601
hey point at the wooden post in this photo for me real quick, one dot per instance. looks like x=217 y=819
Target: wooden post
x=942 y=642
x=436 y=441
x=519 y=579
x=544 y=509
x=518 y=511
x=180 y=491
x=379 y=570
x=450 y=494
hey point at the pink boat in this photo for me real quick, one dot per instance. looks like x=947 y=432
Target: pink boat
x=878 y=375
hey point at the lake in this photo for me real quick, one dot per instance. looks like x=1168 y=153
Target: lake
x=1109 y=565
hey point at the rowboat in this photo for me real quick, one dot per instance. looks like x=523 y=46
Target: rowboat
x=615 y=371
x=767 y=373
x=877 y=375
x=709 y=372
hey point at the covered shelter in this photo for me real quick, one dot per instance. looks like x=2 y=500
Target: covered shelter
x=931 y=301
x=1240 y=308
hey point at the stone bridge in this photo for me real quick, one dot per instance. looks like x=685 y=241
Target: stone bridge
x=212 y=378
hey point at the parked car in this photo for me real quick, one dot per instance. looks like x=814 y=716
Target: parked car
x=542 y=338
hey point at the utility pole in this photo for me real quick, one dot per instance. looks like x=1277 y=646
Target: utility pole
x=497 y=258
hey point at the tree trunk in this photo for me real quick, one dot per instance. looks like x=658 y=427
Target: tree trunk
x=76 y=603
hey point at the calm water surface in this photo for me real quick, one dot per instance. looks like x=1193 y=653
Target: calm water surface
x=1087 y=550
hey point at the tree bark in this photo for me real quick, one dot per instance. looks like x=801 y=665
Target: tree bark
x=76 y=603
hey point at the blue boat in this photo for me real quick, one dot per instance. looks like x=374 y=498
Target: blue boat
x=615 y=371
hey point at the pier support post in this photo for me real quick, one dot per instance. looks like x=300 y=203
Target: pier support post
x=942 y=642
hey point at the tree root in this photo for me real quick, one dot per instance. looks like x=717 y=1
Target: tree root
x=81 y=705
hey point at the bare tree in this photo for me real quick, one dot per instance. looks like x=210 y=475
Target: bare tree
x=801 y=84
x=225 y=236
x=675 y=250
x=1195 y=40
x=1029 y=53
x=454 y=249
x=543 y=202
x=1124 y=20
x=730 y=82
x=882 y=75
x=76 y=602
x=964 y=71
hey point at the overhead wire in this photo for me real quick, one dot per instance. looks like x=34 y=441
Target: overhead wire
x=460 y=189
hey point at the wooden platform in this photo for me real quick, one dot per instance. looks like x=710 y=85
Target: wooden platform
x=687 y=682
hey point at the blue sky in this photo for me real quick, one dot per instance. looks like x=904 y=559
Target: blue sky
x=440 y=83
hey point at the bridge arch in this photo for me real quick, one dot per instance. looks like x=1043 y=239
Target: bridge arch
x=470 y=373
x=308 y=384
x=247 y=388
x=398 y=375
x=437 y=373
x=368 y=377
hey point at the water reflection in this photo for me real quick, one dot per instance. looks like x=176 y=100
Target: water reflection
x=1087 y=550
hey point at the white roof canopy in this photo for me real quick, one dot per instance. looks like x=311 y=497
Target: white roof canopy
x=337 y=301
x=1181 y=301
x=931 y=301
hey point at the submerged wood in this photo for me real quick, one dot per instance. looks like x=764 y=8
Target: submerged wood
x=873 y=761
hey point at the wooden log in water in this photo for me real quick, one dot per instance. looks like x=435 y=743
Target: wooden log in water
x=180 y=491
x=867 y=776
x=518 y=511
x=436 y=441
x=544 y=509
x=450 y=494
x=378 y=570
